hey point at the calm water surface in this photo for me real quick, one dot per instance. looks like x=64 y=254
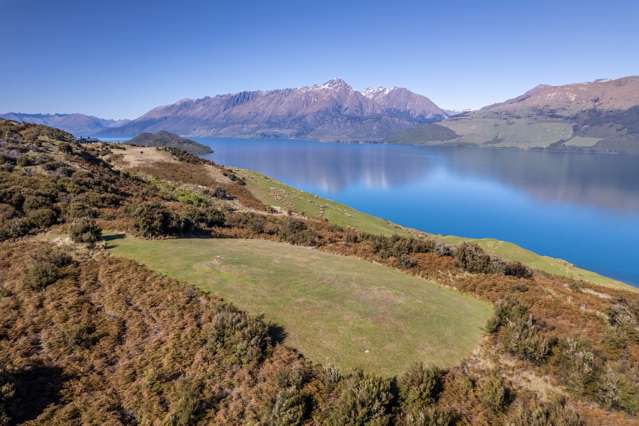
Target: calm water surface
x=582 y=208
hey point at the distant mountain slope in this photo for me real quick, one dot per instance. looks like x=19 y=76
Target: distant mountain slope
x=77 y=124
x=165 y=139
x=329 y=111
x=567 y=100
x=600 y=116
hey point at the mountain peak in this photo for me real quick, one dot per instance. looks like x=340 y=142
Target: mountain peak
x=337 y=84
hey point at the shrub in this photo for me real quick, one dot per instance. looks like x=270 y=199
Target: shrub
x=206 y=216
x=222 y=193
x=185 y=405
x=518 y=269
x=81 y=335
x=15 y=228
x=362 y=399
x=152 y=220
x=397 y=246
x=296 y=232
x=522 y=334
x=407 y=262
x=256 y=223
x=237 y=335
x=45 y=269
x=493 y=393
x=420 y=386
x=352 y=237
x=78 y=210
x=579 y=366
x=85 y=231
x=623 y=322
x=536 y=413
x=40 y=275
x=430 y=416
x=34 y=202
x=291 y=407
x=472 y=258
x=191 y=198
x=42 y=218
x=444 y=250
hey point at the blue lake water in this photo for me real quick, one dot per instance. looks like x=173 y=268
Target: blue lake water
x=582 y=208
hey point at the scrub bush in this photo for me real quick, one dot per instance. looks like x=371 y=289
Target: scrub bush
x=472 y=258
x=85 y=231
x=517 y=269
x=420 y=386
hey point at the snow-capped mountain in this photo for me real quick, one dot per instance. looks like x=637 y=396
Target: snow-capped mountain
x=328 y=111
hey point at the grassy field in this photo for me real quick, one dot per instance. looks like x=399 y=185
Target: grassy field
x=274 y=193
x=337 y=310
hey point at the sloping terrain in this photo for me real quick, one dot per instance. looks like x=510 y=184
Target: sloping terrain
x=599 y=116
x=89 y=338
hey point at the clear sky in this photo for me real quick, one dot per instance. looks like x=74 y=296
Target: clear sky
x=118 y=59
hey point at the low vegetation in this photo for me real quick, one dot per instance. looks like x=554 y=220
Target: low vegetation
x=85 y=230
x=86 y=337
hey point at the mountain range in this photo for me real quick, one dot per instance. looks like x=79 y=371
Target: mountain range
x=78 y=124
x=329 y=111
x=598 y=116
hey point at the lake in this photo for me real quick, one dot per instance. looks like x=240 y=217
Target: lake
x=579 y=207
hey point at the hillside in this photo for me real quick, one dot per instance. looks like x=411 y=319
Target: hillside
x=76 y=124
x=164 y=139
x=599 y=116
x=329 y=111
x=89 y=337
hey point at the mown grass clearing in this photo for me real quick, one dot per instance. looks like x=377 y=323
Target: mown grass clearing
x=274 y=193
x=337 y=310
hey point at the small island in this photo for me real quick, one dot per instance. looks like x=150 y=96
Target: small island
x=164 y=139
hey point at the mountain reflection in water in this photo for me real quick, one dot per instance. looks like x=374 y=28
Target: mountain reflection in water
x=583 y=208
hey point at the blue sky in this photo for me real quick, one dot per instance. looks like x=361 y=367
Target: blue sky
x=121 y=58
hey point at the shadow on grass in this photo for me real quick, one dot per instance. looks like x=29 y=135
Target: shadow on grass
x=111 y=237
x=277 y=333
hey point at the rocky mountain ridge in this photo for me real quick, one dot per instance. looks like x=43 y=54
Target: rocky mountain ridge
x=329 y=111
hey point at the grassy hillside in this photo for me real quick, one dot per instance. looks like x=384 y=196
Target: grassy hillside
x=512 y=132
x=283 y=197
x=337 y=310
x=274 y=193
x=551 y=265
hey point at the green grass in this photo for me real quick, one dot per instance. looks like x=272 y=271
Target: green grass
x=277 y=194
x=337 y=310
x=274 y=193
